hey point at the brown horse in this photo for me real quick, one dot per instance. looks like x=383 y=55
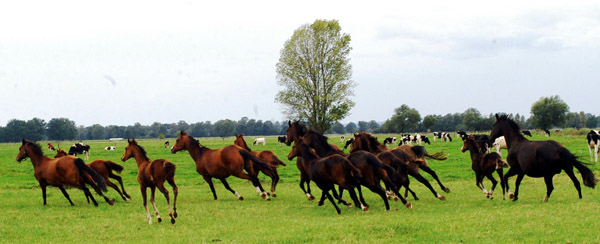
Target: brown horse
x=61 y=172
x=153 y=174
x=327 y=172
x=105 y=169
x=51 y=147
x=484 y=164
x=268 y=156
x=222 y=163
x=537 y=158
x=412 y=156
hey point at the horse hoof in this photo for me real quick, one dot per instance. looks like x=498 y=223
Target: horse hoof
x=442 y=198
x=447 y=190
x=396 y=198
x=511 y=196
x=409 y=205
x=175 y=214
x=240 y=198
x=172 y=221
x=111 y=202
x=274 y=194
x=311 y=198
x=159 y=219
x=366 y=209
x=545 y=198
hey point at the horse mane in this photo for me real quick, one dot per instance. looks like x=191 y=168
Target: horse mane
x=372 y=144
x=322 y=145
x=513 y=125
x=36 y=147
x=301 y=128
x=245 y=145
x=195 y=142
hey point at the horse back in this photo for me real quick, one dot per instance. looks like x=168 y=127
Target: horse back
x=99 y=167
x=538 y=158
x=62 y=171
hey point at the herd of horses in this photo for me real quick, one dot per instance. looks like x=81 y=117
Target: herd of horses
x=368 y=163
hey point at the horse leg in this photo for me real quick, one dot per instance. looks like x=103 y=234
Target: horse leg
x=434 y=175
x=494 y=183
x=339 y=197
x=144 y=199
x=326 y=193
x=274 y=181
x=89 y=194
x=549 y=186
x=425 y=182
x=500 y=172
x=256 y=184
x=322 y=200
x=574 y=179
x=120 y=180
x=304 y=178
x=208 y=180
x=510 y=173
x=381 y=192
x=363 y=203
x=64 y=192
x=161 y=188
x=479 y=183
x=152 y=190
x=226 y=185
x=43 y=186
x=353 y=196
x=517 y=183
x=175 y=192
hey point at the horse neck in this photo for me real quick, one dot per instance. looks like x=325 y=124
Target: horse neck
x=474 y=151
x=139 y=157
x=36 y=159
x=512 y=137
x=242 y=143
x=196 y=151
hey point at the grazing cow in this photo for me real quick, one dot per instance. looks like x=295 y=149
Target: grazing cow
x=166 y=144
x=51 y=147
x=547 y=132
x=417 y=139
x=258 y=141
x=349 y=143
x=80 y=148
x=342 y=139
x=593 y=138
x=527 y=133
x=500 y=143
x=110 y=148
x=442 y=135
x=281 y=139
x=425 y=139
x=389 y=140
x=405 y=140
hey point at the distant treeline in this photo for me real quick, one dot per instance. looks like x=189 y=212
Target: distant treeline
x=403 y=121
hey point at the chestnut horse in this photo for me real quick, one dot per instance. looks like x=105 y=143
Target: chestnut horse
x=153 y=174
x=61 y=172
x=412 y=156
x=222 y=163
x=484 y=164
x=268 y=156
x=105 y=169
x=537 y=158
x=327 y=172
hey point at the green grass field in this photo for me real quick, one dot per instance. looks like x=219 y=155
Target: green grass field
x=466 y=216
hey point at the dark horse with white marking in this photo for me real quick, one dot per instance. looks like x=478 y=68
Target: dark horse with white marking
x=484 y=164
x=537 y=158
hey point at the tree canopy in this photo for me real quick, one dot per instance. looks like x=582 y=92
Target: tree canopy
x=315 y=72
x=548 y=112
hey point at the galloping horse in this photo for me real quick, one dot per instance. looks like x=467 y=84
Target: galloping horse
x=484 y=164
x=61 y=172
x=413 y=154
x=222 y=163
x=105 y=169
x=153 y=174
x=328 y=172
x=537 y=158
x=267 y=156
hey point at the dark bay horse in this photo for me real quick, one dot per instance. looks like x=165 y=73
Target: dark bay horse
x=484 y=164
x=222 y=163
x=61 y=172
x=327 y=172
x=268 y=156
x=153 y=174
x=104 y=168
x=412 y=156
x=537 y=158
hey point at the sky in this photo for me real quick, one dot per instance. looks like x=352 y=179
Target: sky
x=122 y=62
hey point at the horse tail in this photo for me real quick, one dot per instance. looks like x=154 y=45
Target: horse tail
x=277 y=160
x=377 y=164
x=353 y=169
x=110 y=165
x=587 y=175
x=100 y=183
x=421 y=152
x=257 y=161
x=169 y=169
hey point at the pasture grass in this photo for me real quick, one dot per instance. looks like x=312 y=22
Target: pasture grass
x=466 y=216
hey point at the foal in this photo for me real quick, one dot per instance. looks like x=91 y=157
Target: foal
x=484 y=165
x=153 y=174
x=268 y=156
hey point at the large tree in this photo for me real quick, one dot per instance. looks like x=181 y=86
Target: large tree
x=315 y=72
x=405 y=119
x=61 y=129
x=549 y=111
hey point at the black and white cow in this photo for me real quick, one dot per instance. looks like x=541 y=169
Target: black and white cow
x=405 y=140
x=110 y=148
x=593 y=138
x=442 y=136
x=166 y=144
x=527 y=133
x=80 y=148
x=389 y=140
x=425 y=139
x=547 y=132
x=342 y=139
x=281 y=140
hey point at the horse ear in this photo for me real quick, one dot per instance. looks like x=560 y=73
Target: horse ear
x=23 y=141
x=242 y=134
x=497 y=117
x=128 y=141
x=183 y=133
x=289 y=123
